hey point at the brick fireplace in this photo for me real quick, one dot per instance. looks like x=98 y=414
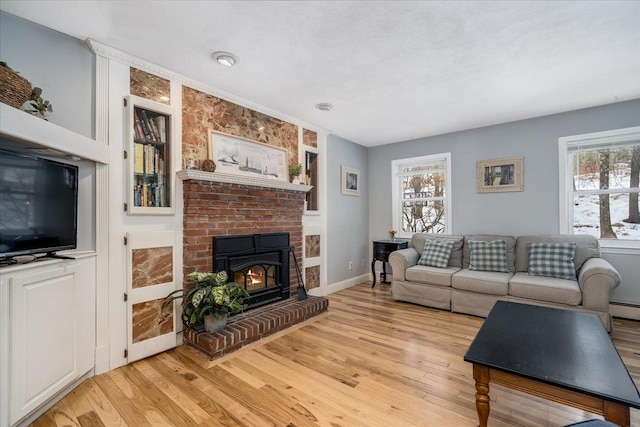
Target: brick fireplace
x=218 y=206
x=214 y=208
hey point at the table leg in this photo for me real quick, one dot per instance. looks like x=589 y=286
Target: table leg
x=481 y=375
x=616 y=413
x=383 y=279
x=373 y=272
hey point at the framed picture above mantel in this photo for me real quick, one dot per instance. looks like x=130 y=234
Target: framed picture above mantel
x=499 y=175
x=234 y=155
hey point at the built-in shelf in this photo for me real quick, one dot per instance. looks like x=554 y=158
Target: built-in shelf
x=239 y=179
x=32 y=131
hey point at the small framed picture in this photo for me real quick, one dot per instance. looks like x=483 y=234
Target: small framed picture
x=350 y=181
x=499 y=175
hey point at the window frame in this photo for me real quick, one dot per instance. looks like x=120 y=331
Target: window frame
x=565 y=180
x=396 y=183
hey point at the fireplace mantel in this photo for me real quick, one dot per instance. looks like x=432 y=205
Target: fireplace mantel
x=239 y=179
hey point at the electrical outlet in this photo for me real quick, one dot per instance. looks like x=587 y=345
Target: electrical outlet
x=362 y=263
x=350 y=265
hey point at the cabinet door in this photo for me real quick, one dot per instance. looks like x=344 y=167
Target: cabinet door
x=52 y=332
x=151 y=277
x=149 y=157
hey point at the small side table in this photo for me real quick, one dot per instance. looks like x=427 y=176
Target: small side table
x=381 y=251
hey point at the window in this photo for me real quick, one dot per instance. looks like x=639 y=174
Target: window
x=421 y=194
x=599 y=186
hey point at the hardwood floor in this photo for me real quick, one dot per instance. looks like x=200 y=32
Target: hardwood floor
x=370 y=361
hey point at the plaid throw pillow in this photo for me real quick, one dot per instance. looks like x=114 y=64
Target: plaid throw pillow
x=436 y=253
x=552 y=260
x=488 y=256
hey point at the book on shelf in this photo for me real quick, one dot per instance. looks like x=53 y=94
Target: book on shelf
x=143 y=124
x=138 y=158
x=161 y=124
x=137 y=127
x=154 y=130
x=146 y=122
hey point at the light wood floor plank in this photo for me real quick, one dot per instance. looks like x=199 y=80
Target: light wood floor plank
x=370 y=361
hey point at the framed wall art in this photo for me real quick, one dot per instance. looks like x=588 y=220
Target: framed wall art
x=350 y=182
x=499 y=175
x=239 y=156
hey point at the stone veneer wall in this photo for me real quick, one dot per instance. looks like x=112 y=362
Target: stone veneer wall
x=202 y=113
x=148 y=86
x=151 y=266
x=215 y=209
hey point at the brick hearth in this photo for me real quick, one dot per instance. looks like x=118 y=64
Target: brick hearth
x=254 y=325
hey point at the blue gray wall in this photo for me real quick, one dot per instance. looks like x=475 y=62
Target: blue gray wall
x=347 y=216
x=532 y=211
x=62 y=66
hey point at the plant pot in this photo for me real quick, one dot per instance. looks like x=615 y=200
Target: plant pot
x=211 y=324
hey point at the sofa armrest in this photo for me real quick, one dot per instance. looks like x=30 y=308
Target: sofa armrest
x=597 y=279
x=402 y=259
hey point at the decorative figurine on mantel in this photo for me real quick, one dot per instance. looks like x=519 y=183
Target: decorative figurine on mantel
x=208 y=165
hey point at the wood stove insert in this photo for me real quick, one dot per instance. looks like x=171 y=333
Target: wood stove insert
x=257 y=262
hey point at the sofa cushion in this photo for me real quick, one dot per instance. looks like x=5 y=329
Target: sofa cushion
x=436 y=253
x=430 y=275
x=586 y=247
x=552 y=260
x=486 y=282
x=455 y=259
x=511 y=245
x=548 y=289
x=488 y=256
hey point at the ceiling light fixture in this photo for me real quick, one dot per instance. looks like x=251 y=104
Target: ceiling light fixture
x=324 y=106
x=227 y=59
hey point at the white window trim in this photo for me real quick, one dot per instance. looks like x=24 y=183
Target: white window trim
x=396 y=184
x=565 y=181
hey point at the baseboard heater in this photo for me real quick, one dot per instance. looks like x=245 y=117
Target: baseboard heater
x=625 y=310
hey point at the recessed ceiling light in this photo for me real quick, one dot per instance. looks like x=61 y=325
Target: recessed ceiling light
x=227 y=59
x=324 y=106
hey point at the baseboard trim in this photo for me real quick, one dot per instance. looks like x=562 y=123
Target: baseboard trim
x=338 y=286
x=625 y=310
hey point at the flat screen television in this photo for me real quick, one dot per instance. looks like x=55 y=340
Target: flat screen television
x=38 y=205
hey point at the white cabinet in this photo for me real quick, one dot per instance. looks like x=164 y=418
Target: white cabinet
x=47 y=323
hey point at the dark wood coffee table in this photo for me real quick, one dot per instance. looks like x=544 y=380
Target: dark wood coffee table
x=560 y=355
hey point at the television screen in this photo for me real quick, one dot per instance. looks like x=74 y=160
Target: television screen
x=38 y=205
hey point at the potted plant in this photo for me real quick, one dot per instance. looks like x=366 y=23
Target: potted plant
x=210 y=300
x=295 y=169
x=38 y=106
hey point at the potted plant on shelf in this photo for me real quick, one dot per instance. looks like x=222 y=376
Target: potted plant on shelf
x=295 y=169
x=210 y=300
x=38 y=106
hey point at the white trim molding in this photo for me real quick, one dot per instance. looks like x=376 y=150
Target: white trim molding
x=242 y=180
x=112 y=53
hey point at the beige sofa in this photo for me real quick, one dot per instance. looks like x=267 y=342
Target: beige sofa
x=458 y=288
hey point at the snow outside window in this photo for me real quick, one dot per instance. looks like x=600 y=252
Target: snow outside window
x=421 y=194
x=599 y=187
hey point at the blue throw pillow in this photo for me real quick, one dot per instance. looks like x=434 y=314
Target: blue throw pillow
x=552 y=260
x=436 y=253
x=488 y=256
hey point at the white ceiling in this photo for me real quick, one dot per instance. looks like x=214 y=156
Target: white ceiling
x=394 y=70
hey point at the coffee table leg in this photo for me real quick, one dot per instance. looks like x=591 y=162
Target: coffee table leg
x=481 y=375
x=617 y=413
